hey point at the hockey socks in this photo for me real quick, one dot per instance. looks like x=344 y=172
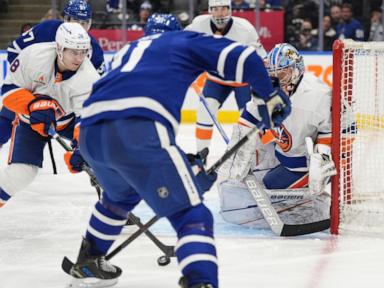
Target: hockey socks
x=104 y=227
x=4 y=197
x=195 y=249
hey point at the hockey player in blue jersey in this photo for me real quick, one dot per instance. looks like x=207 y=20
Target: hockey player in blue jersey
x=128 y=130
x=75 y=11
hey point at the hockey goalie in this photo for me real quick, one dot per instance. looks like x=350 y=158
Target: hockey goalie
x=293 y=161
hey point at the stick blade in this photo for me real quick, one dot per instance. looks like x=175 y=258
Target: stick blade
x=67 y=265
x=303 y=229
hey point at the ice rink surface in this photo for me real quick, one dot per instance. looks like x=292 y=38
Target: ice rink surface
x=45 y=222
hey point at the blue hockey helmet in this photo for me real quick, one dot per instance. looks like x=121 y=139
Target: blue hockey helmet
x=285 y=63
x=160 y=23
x=78 y=9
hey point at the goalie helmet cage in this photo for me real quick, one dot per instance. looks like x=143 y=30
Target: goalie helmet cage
x=358 y=137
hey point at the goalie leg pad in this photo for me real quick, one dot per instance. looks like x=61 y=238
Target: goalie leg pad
x=195 y=249
x=16 y=177
x=282 y=178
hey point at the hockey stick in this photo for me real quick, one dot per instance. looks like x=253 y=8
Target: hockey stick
x=213 y=117
x=168 y=251
x=85 y=167
x=67 y=264
x=232 y=150
x=273 y=219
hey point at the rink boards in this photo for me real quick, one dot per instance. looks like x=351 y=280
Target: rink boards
x=318 y=63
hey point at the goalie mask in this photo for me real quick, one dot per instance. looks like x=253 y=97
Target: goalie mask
x=218 y=17
x=285 y=63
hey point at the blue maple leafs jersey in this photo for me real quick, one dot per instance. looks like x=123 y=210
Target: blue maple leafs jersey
x=46 y=32
x=150 y=77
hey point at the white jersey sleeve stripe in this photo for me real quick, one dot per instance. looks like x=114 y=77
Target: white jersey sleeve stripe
x=240 y=63
x=179 y=163
x=107 y=220
x=194 y=238
x=16 y=46
x=196 y=258
x=223 y=57
x=127 y=103
x=100 y=235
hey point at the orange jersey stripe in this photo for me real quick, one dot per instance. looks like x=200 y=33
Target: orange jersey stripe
x=18 y=101
x=76 y=133
x=204 y=134
x=221 y=82
x=267 y=137
x=302 y=182
x=325 y=141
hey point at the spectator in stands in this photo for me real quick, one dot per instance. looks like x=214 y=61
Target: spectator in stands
x=51 y=14
x=25 y=27
x=335 y=12
x=138 y=23
x=240 y=5
x=376 y=32
x=274 y=4
x=307 y=41
x=329 y=33
x=350 y=28
x=113 y=6
x=145 y=12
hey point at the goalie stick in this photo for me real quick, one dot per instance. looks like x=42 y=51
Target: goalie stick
x=273 y=219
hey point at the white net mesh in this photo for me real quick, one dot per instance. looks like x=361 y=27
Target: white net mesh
x=362 y=138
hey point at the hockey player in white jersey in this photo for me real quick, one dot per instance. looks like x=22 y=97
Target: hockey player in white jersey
x=220 y=22
x=279 y=158
x=46 y=86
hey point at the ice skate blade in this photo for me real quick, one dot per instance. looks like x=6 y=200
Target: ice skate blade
x=91 y=283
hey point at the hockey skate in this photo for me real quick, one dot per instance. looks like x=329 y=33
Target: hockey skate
x=91 y=271
x=183 y=282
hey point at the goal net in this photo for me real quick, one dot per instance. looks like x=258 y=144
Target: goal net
x=358 y=137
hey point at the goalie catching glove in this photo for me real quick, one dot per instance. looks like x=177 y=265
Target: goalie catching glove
x=321 y=166
x=196 y=160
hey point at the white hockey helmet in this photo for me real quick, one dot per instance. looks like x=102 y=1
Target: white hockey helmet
x=220 y=21
x=72 y=36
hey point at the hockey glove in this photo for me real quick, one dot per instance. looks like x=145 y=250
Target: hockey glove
x=321 y=168
x=43 y=112
x=74 y=161
x=205 y=180
x=273 y=111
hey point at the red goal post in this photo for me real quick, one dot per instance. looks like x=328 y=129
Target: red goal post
x=358 y=137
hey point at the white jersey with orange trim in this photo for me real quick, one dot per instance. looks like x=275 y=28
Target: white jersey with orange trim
x=35 y=70
x=240 y=30
x=310 y=117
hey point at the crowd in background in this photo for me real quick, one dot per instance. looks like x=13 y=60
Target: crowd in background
x=342 y=19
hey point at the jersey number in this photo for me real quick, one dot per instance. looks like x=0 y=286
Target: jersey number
x=136 y=55
x=30 y=36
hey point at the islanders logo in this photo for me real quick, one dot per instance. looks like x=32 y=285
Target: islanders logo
x=282 y=138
